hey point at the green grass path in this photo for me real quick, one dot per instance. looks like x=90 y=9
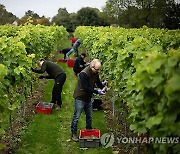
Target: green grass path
x=50 y=134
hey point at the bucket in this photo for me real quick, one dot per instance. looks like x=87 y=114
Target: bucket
x=70 y=63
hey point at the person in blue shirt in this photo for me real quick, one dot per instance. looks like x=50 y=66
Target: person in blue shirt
x=74 y=48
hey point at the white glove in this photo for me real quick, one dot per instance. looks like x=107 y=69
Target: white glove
x=87 y=64
x=105 y=82
x=104 y=89
x=100 y=92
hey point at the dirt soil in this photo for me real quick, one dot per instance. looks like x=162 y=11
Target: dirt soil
x=117 y=124
x=12 y=137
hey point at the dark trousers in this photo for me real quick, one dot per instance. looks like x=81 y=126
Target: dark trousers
x=97 y=104
x=57 y=89
x=64 y=55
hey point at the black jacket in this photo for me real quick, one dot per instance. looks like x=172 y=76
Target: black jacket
x=51 y=68
x=65 y=51
x=79 y=64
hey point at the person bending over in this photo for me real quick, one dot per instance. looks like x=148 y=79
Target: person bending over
x=74 y=48
x=65 y=51
x=55 y=72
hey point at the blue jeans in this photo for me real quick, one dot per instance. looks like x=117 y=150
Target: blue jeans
x=79 y=106
x=70 y=52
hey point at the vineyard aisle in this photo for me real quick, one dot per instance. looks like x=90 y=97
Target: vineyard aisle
x=50 y=134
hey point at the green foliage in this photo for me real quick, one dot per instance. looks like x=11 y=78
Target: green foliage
x=172 y=18
x=5 y=16
x=137 y=13
x=32 y=14
x=20 y=48
x=89 y=17
x=143 y=66
x=33 y=18
x=3 y=71
x=63 y=19
x=51 y=133
x=85 y=16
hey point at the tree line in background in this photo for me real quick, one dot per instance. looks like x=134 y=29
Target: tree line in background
x=124 y=13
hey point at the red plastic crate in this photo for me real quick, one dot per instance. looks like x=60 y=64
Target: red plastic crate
x=43 y=107
x=89 y=138
x=70 y=63
x=62 y=60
